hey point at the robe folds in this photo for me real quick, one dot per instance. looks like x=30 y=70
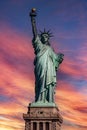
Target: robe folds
x=46 y=63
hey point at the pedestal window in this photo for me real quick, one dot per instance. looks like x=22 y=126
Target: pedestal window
x=47 y=125
x=34 y=126
x=40 y=126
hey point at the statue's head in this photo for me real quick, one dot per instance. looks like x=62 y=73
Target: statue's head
x=45 y=36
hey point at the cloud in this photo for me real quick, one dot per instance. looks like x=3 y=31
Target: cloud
x=17 y=83
x=72 y=10
x=16 y=77
x=71 y=20
x=74 y=64
x=72 y=105
x=71 y=94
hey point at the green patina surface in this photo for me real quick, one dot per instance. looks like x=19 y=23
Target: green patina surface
x=46 y=64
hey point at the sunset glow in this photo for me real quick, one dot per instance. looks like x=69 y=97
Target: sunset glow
x=17 y=55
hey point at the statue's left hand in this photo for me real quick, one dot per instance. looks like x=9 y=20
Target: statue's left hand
x=60 y=57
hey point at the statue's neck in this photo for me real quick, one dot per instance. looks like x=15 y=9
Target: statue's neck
x=46 y=43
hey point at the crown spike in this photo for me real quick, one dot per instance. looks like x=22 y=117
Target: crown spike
x=40 y=31
x=44 y=30
x=48 y=30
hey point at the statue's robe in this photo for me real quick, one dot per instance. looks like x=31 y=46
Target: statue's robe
x=46 y=63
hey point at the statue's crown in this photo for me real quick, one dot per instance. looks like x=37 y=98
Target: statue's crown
x=48 y=33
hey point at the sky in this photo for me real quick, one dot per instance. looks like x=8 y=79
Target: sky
x=67 y=20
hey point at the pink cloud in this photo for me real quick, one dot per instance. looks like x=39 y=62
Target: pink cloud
x=73 y=106
x=15 y=51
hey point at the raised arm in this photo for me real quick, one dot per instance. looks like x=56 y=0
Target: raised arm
x=33 y=22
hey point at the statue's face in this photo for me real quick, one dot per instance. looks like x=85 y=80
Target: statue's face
x=44 y=38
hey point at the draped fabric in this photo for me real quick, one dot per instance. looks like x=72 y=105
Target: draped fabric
x=46 y=63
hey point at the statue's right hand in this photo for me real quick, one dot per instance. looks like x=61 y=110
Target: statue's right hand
x=33 y=12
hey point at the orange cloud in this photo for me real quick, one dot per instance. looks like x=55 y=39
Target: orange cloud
x=16 y=77
x=72 y=104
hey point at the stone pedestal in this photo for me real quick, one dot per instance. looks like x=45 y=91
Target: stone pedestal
x=42 y=118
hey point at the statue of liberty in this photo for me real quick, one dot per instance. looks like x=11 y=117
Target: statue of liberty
x=46 y=63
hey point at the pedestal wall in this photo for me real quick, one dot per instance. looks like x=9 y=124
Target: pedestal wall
x=43 y=118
